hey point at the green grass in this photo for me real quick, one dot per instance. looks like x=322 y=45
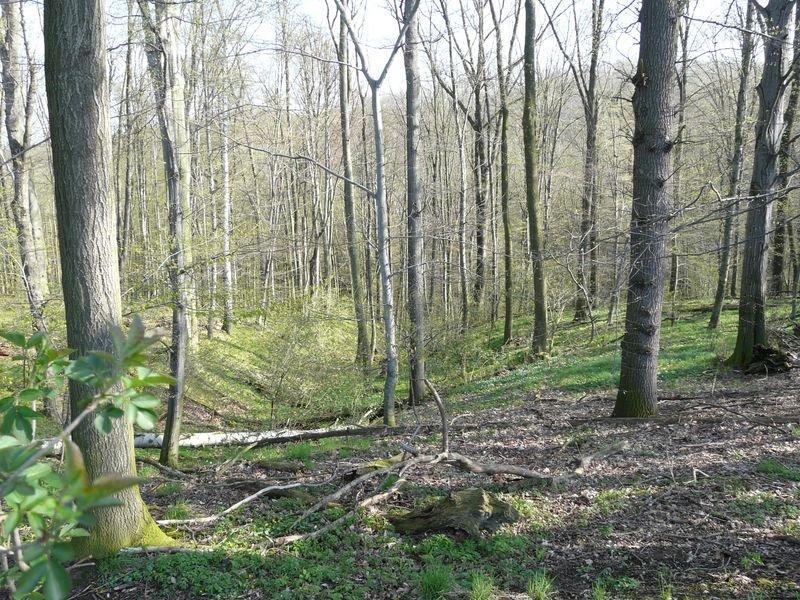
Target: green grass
x=482 y=586
x=540 y=586
x=771 y=466
x=435 y=582
x=179 y=510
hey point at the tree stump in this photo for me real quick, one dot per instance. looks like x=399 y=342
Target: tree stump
x=472 y=510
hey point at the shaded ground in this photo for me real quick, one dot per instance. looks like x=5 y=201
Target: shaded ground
x=705 y=504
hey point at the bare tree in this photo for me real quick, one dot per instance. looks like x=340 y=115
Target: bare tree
x=752 y=331
x=381 y=207
x=416 y=277
x=536 y=242
x=736 y=165
x=166 y=72
x=652 y=146
x=19 y=104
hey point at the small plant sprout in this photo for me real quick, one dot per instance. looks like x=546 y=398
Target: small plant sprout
x=435 y=582
x=540 y=585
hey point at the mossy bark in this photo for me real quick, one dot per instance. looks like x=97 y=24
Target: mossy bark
x=76 y=74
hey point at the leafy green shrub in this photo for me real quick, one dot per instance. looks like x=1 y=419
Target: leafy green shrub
x=54 y=506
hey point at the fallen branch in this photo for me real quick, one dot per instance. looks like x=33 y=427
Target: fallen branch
x=162 y=468
x=233 y=507
x=673 y=420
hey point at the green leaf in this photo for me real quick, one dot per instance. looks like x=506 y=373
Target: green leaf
x=10 y=523
x=56 y=582
x=146 y=376
x=146 y=419
x=7 y=403
x=111 y=484
x=21 y=429
x=103 y=423
x=31 y=553
x=29 y=413
x=15 y=337
x=31 y=394
x=145 y=401
x=36 y=339
x=30 y=579
x=6 y=441
x=73 y=462
x=62 y=552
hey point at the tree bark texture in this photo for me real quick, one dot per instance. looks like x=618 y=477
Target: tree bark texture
x=535 y=239
x=652 y=146
x=24 y=204
x=416 y=277
x=752 y=330
x=737 y=164
x=77 y=95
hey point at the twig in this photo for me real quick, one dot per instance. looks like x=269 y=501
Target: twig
x=233 y=507
x=443 y=415
x=162 y=468
x=229 y=463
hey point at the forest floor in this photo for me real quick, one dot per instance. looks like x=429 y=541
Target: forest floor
x=701 y=503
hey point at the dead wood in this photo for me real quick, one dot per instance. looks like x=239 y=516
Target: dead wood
x=680 y=419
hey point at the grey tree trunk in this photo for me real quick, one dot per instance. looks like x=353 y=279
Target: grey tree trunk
x=416 y=276
x=535 y=240
x=505 y=192
x=737 y=163
x=166 y=73
x=227 y=269
x=786 y=165
x=652 y=145
x=357 y=290
x=752 y=331
x=80 y=135
x=24 y=205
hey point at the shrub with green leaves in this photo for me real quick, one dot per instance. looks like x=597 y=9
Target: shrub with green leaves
x=43 y=505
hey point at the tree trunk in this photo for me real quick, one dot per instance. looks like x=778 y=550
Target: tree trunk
x=786 y=166
x=652 y=145
x=737 y=162
x=167 y=76
x=505 y=193
x=227 y=269
x=536 y=245
x=80 y=135
x=25 y=207
x=416 y=278
x=752 y=329
x=357 y=291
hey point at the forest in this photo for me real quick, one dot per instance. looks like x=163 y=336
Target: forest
x=480 y=299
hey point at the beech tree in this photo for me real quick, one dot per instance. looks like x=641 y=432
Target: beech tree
x=536 y=242
x=19 y=105
x=752 y=329
x=76 y=75
x=652 y=146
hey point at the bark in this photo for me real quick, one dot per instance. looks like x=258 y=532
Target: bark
x=166 y=72
x=535 y=240
x=752 y=330
x=77 y=95
x=416 y=296
x=777 y=283
x=24 y=205
x=508 y=281
x=652 y=145
x=737 y=163
x=357 y=291
x=227 y=269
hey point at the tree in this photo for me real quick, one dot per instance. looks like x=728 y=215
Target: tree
x=586 y=81
x=19 y=105
x=536 y=242
x=77 y=97
x=752 y=330
x=737 y=163
x=652 y=146
x=505 y=193
x=166 y=72
x=416 y=296
x=381 y=205
x=363 y=354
